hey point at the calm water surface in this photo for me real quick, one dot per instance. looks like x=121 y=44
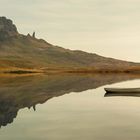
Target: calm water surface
x=68 y=108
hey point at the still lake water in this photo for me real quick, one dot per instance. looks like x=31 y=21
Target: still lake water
x=68 y=107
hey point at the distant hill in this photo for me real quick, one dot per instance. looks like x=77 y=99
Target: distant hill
x=26 y=53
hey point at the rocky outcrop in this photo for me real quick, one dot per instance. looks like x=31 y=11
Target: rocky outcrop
x=7 y=29
x=33 y=35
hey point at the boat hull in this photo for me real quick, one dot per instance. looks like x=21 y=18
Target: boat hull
x=122 y=90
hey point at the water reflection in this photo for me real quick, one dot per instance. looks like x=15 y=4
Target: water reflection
x=122 y=94
x=28 y=91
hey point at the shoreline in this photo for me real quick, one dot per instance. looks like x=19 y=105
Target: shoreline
x=53 y=71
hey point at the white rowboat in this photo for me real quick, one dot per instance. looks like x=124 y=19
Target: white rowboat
x=122 y=90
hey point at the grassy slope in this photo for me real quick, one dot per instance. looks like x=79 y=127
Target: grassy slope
x=25 y=53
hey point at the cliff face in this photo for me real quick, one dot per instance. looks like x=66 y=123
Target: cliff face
x=7 y=29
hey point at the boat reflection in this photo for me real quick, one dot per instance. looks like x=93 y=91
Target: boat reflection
x=122 y=94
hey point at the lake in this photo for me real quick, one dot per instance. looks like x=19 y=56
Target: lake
x=68 y=107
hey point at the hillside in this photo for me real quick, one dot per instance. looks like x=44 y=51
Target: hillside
x=25 y=52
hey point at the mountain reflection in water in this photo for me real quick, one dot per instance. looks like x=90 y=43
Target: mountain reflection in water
x=17 y=92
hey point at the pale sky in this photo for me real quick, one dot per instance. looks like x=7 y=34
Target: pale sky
x=107 y=27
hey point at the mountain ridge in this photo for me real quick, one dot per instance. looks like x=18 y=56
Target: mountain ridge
x=27 y=53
